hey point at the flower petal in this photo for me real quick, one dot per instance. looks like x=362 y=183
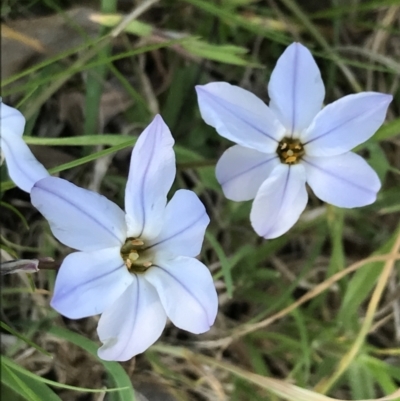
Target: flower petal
x=186 y=289
x=79 y=218
x=240 y=116
x=11 y=120
x=346 y=123
x=345 y=180
x=133 y=323
x=296 y=89
x=22 y=166
x=89 y=282
x=184 y=226
x=241 y=171
x=280 y=201
x=151 y=174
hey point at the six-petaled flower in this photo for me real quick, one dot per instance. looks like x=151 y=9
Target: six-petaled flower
x=291 y=142
x=135 y=268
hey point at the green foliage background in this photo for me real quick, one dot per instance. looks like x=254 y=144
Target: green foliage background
x=312 y=315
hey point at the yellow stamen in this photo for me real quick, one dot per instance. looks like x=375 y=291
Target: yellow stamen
x=290 y=151
x=133 y=256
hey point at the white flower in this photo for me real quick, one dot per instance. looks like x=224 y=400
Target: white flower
x=291 y=142
x=22 y=166
x=135 y=268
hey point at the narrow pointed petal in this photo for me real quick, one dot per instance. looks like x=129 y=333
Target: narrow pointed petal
x=239 y=116
x=186 y=289
x=90 y=282
x=345 y=180
x=133 y=323
x=184 y=226
x=280 y=201
x=151 y=174
x=241 y=171
x=79 y=218
x=296 y=89
x=22 y=166
x=346 y=123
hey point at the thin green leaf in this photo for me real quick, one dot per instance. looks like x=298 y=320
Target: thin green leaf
x=225 y=265
x=24 y=339
x=361 y=284
x=117 y=374
x=17 y=212
x=387 y=131
x=17 y=368
x=26 y=387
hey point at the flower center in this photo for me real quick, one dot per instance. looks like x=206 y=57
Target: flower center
x=290 y=151
x=135 y=256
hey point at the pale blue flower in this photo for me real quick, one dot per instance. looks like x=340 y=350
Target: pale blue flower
x=136 y=267
x=292 y=142
x=22 y=166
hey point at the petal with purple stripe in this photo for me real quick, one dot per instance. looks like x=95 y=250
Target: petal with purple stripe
x=22 y=165
x=241 y=171
x=151 y=174
x=345 y=180
x=280 y=201
x=79 y=218
x=239 y=116
x=346 y=123
x=132 y=323
x=296 y=89
x=187 y=293
x=89 y=282
x=11 y=120
x=184 y=225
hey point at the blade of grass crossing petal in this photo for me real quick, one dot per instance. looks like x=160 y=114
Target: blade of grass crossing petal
x=187 y=158
x=7 y=185
x=180 y=152
x=85 y=140
x=115 y=371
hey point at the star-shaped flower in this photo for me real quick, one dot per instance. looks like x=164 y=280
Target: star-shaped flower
x=22 y=166
x=291 y=142
x=135 y=268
